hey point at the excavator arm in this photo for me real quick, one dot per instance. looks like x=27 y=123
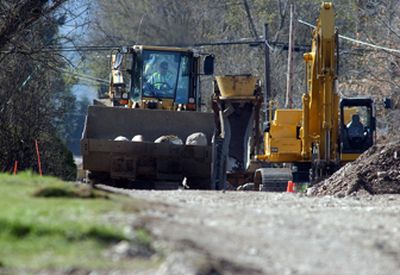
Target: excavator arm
x=320 y=104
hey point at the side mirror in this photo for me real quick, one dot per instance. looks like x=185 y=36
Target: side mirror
x=209 y=65
x=387 y=102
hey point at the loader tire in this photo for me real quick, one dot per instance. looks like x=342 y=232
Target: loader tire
x=98 y=178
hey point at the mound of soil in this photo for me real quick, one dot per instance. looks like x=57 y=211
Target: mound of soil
x=377 y=171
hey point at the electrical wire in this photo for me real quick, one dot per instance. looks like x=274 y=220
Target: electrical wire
x=242 y=41
x=85 y=77
x=356 y=41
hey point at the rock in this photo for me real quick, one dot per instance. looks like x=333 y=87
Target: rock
x=310 y=191
x=169 y=139
x=129 y=250
x=198 y=139
x=381 y=174
x=250 y=186
x=137 y=138
x=121 y=138
x=185 y=184
x=122 y=248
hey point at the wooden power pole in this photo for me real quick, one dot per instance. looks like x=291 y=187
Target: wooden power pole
x=290 y=71
x=267 y=77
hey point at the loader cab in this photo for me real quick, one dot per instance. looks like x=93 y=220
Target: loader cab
x=165 y=78
x=357 y=127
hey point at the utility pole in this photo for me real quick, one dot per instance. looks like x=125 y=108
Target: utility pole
x=267 y=78
x=290 y=71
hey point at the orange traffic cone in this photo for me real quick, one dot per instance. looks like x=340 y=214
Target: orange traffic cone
x=290 y=187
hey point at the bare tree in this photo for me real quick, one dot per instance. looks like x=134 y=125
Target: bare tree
x=34 y=98
x=17 y=16
x=363 y=71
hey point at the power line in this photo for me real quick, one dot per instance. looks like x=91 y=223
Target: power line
x=63 y=49
x=356 y=41
x=85 y=77
x=90 y=48
x=242 y=41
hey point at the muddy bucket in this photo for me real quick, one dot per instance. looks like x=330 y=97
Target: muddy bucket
x=236 y=85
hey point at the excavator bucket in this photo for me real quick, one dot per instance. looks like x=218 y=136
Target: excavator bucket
x=146 y=160
x=236 y=105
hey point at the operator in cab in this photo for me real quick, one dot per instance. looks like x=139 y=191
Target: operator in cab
x=161 y=83
x=355 y=129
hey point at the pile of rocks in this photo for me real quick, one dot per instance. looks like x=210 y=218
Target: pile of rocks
x=377 y=171
x=198 y=139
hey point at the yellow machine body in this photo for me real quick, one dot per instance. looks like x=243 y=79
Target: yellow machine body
x=282 y=142
x=131 y=139
x=315 y=140
x=294 y=133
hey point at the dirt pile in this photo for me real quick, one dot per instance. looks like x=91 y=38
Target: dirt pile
x=377 y=171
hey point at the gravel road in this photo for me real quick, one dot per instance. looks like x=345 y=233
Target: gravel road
x=273 y=233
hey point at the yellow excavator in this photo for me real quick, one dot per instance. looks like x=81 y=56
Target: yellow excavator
x=304 y=145
x=143 y=139
x=329 y=130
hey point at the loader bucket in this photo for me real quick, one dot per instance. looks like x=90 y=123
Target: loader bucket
x=110 y=122
x=146 y=160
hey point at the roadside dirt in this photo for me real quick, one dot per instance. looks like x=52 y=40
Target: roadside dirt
x=377 y=171
x=203 y=232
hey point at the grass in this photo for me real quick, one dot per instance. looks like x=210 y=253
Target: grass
x=143 y=237
x=64 y=191
x=301 y=187
x=49 y=224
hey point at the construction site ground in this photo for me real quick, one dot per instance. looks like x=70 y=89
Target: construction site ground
x=209 y=232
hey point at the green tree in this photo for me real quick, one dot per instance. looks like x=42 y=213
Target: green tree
x=33 y=96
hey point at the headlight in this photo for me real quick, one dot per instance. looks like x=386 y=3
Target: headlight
x=125 y=95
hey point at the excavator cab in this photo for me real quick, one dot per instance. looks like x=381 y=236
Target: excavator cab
x=357 y=127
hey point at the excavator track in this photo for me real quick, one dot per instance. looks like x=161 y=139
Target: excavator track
x=273 y=179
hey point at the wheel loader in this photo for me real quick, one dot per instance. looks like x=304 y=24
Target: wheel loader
x=154 y=93
x=305 y=144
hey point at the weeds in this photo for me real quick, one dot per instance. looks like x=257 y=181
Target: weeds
x=84 y=192
x=47 y=223
x=142 y=237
